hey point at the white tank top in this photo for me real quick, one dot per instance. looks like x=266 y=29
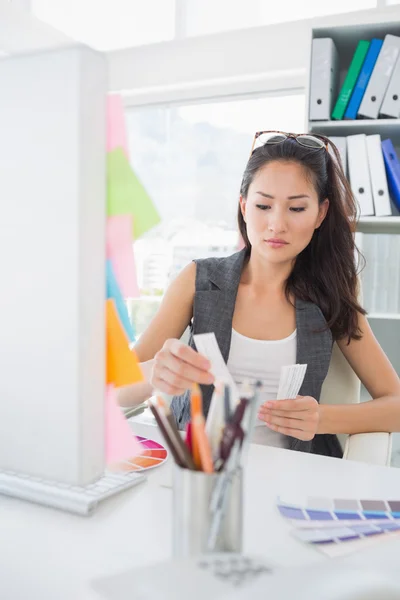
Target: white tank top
x=261 y=360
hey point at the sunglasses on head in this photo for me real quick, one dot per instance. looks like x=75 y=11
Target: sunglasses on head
x=313 y=142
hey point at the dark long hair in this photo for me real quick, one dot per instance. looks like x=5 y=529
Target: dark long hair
x=325 y=272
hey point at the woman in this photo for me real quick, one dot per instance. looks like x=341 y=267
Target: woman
x=284 y=299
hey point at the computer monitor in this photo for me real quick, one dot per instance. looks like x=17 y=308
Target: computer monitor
x=52 y=257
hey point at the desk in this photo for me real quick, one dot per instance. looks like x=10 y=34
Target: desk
x=50 y=555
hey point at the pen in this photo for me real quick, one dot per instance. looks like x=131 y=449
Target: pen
x=182 y=448
x=196 y=408
x=167 y=437
x=232 y=431
x=227 y=403
x=250 y=417
x=188 y=439
x=215 y=419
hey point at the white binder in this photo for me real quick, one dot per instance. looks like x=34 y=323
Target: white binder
x=341 y=145
x=379 y=81
x=324 y=78
x=359 y=173
x=380 y=192
x=391 y=101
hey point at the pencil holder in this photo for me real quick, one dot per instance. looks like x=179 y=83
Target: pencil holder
x=207 y=512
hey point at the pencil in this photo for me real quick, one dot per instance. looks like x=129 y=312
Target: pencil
x=196 y=408
x=206 y=460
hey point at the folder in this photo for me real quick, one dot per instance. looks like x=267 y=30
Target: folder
x=363 y=79
x=350 y=79
x=379 y=81
x=392 y=166
x=324 y=77
x=391 y=101
x=341 y=145
x=359 y=173
x=380 y=191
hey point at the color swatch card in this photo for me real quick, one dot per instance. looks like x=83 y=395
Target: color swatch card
x=331 y=523
x=207 y=345
x=291 y=380
x=151 y=454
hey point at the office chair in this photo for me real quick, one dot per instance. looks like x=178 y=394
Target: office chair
x=342 y=386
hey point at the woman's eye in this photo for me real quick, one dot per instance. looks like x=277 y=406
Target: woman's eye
x=263 y=206
x=297 y=209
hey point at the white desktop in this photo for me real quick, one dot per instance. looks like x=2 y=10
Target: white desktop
x=52 y=247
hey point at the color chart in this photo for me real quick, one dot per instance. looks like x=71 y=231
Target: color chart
x=331 y=524
x=152 y=455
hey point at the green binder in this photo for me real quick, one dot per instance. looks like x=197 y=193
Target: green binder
x=350 y=80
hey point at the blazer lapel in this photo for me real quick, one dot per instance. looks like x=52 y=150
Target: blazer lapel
x=314 y=346
x=214 y=307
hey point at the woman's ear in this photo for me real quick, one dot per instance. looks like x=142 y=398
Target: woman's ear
x=242 y=202
x=323 y=209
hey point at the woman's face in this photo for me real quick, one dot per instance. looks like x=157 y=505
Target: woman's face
x=281 y=211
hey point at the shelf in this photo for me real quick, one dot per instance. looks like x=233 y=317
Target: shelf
x=386 y=316
x=379 y=225
x=385 y=127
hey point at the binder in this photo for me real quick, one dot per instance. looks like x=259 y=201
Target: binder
x=392 y=166
x=341 y=145
x=380 y=191
x=359 y=173
x=324 y=77
x=379 y=81
x=391 y=101
x=350 y=80
x=363 y=79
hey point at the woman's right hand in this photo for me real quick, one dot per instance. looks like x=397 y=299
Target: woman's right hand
x=177 y=366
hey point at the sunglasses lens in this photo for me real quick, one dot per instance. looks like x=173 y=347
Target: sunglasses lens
x=309 y=141
x=269 y=138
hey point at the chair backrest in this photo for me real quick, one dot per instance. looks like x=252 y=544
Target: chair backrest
x=341 y=385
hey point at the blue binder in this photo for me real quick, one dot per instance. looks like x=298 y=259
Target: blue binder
x=363 y=78
x=114 y=292
x=392 y=165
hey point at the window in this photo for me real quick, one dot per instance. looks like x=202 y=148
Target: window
x=212 y=16
x=191 y=159
x=110 y=24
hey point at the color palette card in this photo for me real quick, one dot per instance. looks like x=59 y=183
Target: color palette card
x=332 y=522
x=152 y=455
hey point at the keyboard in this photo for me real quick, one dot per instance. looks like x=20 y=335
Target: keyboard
x=81 y=500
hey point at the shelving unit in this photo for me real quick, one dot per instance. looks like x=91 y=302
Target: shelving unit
x=379 y=225
x=386 y=325
x=386 y=316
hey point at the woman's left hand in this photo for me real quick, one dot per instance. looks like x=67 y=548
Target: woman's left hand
x=298 y=418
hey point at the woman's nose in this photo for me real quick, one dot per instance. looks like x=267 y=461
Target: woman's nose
x=277 y=223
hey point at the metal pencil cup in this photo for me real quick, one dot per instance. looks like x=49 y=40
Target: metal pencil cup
x=193 y=519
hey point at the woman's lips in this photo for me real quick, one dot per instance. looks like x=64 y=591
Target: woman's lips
x=276 y=243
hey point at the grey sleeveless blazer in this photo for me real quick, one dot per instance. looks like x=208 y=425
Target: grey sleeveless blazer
x=217 y=282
